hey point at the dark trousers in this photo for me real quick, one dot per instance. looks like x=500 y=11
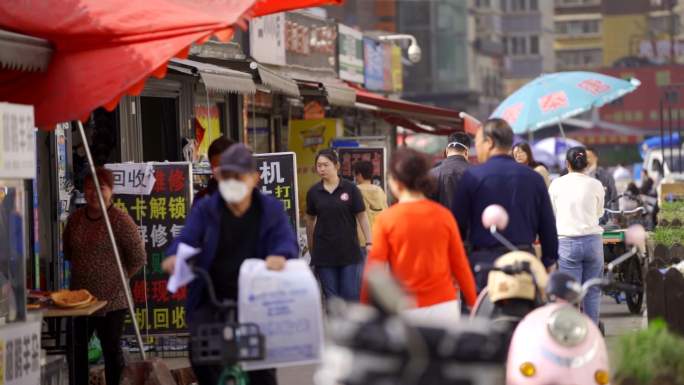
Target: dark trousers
x=341 y=281
x=109 y=329
x=210 y=374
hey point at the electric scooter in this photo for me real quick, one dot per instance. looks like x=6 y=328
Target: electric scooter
x=514 y=280
x=557 y=344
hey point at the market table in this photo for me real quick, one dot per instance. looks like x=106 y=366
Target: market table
x=77 y=338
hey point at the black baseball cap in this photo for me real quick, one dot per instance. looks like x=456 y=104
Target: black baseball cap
x=237 y=158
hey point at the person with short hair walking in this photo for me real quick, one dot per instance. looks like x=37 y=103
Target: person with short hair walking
x=449 y=172
x=374 y=197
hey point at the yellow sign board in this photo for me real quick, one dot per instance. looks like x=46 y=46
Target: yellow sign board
x=307 y=137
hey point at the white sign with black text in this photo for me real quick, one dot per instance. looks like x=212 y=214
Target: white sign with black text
x=132 y=178
x=20 y=353
x=267 y=39
x=17 y=142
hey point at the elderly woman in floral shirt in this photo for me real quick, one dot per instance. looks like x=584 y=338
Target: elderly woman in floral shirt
x=93 y=265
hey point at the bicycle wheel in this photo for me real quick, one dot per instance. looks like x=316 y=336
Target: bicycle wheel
x=633 y=276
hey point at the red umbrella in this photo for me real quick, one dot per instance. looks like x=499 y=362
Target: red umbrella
x=104 y=49
x=267 y=7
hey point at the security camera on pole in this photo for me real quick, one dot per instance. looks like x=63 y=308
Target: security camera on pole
x=414 y=51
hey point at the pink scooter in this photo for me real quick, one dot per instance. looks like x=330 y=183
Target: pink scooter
x=557 y=344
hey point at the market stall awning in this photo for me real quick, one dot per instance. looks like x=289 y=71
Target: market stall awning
x=105 y=49
x=215 y=78
x=23 y=53
x=277 y=82
x=334 y=91
x=413 y=116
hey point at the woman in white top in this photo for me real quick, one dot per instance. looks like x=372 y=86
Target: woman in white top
x=577 y=201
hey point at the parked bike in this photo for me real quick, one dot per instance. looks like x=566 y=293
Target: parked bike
x=631 y=272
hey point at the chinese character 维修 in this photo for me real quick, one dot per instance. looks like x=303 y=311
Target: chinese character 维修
x=177 y=207
x=160 y=181
x=158 y=236
x=140 y=208
x=161 y=318
x=158 y=208
x=176 y=181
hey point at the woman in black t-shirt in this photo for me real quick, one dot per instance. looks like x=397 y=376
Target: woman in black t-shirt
x=333 y=207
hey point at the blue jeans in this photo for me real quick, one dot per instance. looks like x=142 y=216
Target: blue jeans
x=341 y=281
x=582 y=257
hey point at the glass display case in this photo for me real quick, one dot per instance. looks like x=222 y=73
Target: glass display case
x=13 y=250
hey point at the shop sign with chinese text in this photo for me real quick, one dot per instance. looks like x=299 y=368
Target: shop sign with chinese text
x=279 y=179
x=160 y=216
x=350 y=58
x=17 y=142
x=20 y=353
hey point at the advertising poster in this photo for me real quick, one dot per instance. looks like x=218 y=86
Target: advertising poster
x=160 y=217
x=208 y=126
x=307 y=137
x=20 y=353
x=351 y=155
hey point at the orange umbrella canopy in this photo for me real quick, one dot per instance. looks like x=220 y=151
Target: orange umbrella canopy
x=104 y=49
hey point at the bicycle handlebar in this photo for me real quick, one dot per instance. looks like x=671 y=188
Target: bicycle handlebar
x=625 y=212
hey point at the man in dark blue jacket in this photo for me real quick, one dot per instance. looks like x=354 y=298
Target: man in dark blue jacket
x=518 y=188
x=232 y=224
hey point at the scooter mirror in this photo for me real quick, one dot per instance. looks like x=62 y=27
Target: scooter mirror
x=635 y=235
x=495 y=217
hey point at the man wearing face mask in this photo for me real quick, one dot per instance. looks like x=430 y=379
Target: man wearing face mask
x=235 y=223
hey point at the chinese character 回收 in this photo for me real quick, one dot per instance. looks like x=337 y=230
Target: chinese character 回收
x=136 y=178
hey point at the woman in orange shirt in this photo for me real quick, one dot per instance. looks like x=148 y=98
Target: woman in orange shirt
x=420 y=241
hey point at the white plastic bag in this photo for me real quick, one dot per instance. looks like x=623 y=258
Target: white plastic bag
x=287 y=307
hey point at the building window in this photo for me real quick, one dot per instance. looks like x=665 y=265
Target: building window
x=519 y=45
x=517 y=5
x=582 y=58
x=576 y=3
x=534 y=45
x=578 y=27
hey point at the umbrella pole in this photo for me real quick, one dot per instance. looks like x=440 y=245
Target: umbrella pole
x=560 y=125
x=105 y=215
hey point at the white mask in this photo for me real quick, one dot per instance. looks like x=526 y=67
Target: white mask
x=233 y=191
